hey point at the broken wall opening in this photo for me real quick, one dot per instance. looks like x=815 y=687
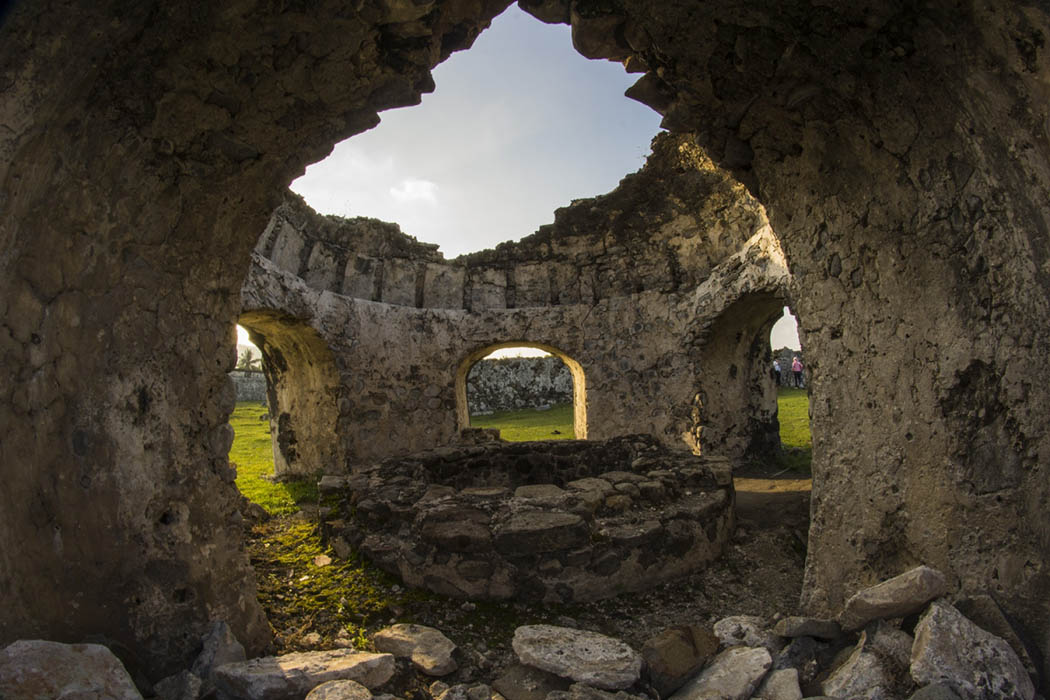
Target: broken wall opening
x=579 y=385
x=735 y=414
x=302 y=385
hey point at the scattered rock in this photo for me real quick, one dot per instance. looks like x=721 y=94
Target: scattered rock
x=429 y=650
x=340 y=690
x=807 y=627
x=42 y=669
x=292 y=676
x=676 y=654
x=781 y=684
x=181 y=686
x=220 y=648
x=586 y=657
x=878 y=662
x=896 y=597
x=579 y=691
x=937 y=691
x=747 y=631
x=985 y=612
x=952 y=650
x=733 y=675
x=520 y=682
x=463 y=691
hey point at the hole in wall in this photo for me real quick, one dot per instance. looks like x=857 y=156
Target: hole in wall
x=525 y=393
x=529 y=391
x=517 y=126
x=791 y=380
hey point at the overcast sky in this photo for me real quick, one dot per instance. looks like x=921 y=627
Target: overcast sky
x=517 y=126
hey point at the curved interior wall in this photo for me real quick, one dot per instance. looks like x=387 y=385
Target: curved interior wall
x=899 y=149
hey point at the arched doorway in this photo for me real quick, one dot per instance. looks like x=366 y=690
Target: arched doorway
x=579 y=385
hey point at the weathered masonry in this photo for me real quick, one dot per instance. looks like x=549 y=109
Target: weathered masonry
x=900 y=151
x=648 y=294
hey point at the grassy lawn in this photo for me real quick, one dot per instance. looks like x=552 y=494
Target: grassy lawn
x=252 y=452
x=529 y=424
x=793 y=413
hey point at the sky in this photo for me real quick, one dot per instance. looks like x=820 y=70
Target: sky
x=518 y=125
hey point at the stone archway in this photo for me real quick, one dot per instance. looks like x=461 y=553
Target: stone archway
x=579 y=383
x=302 y=386
x=736 y=400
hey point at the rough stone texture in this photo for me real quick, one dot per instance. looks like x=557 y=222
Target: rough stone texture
x=184 y=685
x=985 y=612
x=41 y=670
x=661 y=315
x=219 y=647
x=429 y=650
x=952 y=650
x=733 y=675
x=900 y=151
x=899 y=596
x=937 y=691
x=807 y=627
x=674 y=655
x=555 y=521
x=878 y=665
x=340 y=690
x=520 y=682
x=748 y=631
x=512 y=383
x=781 y=684
x=585 y=657
x=250 y=385
x=291 y=676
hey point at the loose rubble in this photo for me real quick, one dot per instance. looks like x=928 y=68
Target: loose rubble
x=941 y=655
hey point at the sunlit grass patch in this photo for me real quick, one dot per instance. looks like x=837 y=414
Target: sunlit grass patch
x=252 y=452
x=795 y=438
x=530 y=424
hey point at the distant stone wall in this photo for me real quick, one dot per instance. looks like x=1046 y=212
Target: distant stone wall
x=251 y=385
x=513 y=383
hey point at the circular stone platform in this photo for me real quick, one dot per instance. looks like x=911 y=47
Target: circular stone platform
x=555 y=521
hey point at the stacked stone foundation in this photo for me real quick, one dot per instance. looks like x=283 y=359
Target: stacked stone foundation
x=555 y=521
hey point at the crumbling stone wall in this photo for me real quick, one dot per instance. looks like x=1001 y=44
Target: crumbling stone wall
x=249 y=385
x=513 y=383
x=681 y=244
x=900 y=150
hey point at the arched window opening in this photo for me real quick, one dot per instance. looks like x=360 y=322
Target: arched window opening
x=789 y=370
x=528 y=391
x=286 y=436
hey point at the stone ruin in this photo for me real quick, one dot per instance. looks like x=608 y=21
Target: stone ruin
x=899 y=151
x=554 y=522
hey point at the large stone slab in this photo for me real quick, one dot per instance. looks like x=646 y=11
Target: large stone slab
x=340 y=690
x=220 y=647
x=541 y=531
x=977 y=665
x=781 y=684
x=733 y=675
x=42 y=670
x=292 y=676
x=585 y=657
x=676 y=654
x=878 y=664
x=429 y=650
x=896 y=597
x=520 y=682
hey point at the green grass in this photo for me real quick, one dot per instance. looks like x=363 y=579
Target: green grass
x=529 y=424
x=793 y=414
x=252 y=452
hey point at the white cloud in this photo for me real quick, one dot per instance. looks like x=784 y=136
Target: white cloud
x=415 y=189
